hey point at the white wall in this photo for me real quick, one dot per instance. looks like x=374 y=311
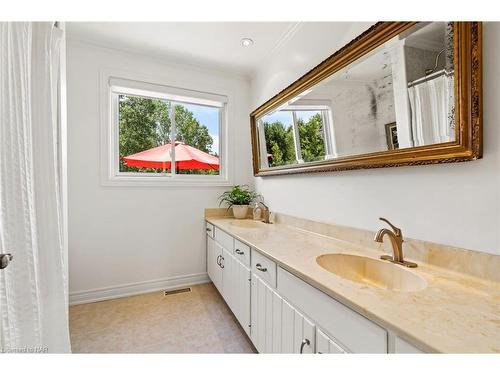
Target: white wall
x=123 y=235
x=456 y=204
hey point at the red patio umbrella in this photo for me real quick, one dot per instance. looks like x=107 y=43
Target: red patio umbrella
x=186 y=157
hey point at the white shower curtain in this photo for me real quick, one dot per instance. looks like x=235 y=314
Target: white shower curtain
x=33 y=297
x=431 y=104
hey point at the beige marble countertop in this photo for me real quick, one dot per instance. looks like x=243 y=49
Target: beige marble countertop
x=456 y=313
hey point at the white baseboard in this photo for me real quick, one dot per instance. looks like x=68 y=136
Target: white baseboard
x=124 y=290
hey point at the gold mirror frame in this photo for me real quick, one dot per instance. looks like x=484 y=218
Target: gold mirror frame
x=468 y=104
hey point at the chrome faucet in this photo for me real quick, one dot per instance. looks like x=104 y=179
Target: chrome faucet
x=396 y=237
x=266 y=214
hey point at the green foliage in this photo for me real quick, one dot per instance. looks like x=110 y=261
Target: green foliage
x=279 y=141
x=139 y=120
x=311 y=138
x=238 y=195
x=145 y=123
x=190 y=131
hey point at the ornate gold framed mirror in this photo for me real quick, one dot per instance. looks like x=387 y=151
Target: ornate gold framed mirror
x=401 y=93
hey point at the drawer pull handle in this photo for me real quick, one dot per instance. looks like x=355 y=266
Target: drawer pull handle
x=260 y=268
x=218 y=260
x=208 y=229
x=221 y=260
x=239 y=252
x=304 y=343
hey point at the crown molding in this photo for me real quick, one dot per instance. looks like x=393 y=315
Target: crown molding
x=285 y=37
x=282 y=40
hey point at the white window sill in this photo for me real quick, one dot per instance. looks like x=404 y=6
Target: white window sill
x=165 y=181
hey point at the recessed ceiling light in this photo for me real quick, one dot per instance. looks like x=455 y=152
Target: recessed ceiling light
x=246 y=42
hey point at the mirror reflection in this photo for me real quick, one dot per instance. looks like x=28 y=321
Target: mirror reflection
x=399 y=95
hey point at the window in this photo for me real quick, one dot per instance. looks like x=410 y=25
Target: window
x=297 y=134
x=159 y=133
x=311 y=134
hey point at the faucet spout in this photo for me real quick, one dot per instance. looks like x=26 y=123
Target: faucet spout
x=396 y=237
x=396 y=241
x=266 y=213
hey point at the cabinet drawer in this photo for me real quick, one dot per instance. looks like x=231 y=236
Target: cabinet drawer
x=352 y=330
x=242 y=252
x=209 y=229
x=224 y=239
x=264 y=267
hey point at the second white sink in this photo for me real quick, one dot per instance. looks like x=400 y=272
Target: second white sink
x=374 y=272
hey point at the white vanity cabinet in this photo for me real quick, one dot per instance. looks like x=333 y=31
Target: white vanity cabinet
x=281 y=313
x=263 y=301
x=214 y=269
x=229 y=275
x=278 y=327
x=236 y=288
x=355 y=332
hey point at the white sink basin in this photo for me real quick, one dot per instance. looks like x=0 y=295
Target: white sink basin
x=378 y=273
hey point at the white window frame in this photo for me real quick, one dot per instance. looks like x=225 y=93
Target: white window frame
x=111 y=86
x=325 y=109
x=328 y=129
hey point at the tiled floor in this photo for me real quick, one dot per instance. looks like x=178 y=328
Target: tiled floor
x=195 y=322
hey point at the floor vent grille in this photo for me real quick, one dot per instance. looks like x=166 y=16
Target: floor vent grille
x=176 y=291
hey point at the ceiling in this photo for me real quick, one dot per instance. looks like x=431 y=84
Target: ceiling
x=209 y=44
x=428 y=36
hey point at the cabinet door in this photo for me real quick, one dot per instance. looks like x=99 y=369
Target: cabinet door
x=277 y=327
x=241 y=293
x=325 y=345
x=228 y=278
x=266 y=307
x=356 y=333
x=232 y=279
x=213 y=268
x=258 y=313
x=306 y=341
x=298 y=332
x=287 y=328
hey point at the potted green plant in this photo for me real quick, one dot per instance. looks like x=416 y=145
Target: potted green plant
x=238 y=198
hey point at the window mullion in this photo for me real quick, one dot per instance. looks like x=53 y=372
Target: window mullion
x=326 y=134
x=296 y=139
x=173 y=169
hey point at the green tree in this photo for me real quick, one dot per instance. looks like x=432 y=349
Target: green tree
x=140 y=121
x=279 y=142
x=277 y=155
x=190 y=131
x=312 y=144
x=145 y=123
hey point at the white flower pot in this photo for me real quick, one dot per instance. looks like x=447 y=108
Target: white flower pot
x=240 y=211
